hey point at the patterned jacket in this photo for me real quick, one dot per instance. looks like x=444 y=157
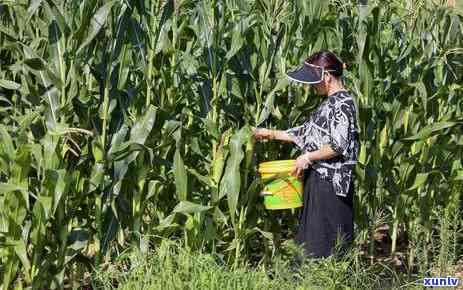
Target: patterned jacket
x=334 y=122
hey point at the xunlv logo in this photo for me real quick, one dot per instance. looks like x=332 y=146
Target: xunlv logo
x=438 y=281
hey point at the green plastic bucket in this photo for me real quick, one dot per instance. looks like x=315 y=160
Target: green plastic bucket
x=280 y=189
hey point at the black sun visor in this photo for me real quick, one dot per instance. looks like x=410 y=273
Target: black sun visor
x=308 y=74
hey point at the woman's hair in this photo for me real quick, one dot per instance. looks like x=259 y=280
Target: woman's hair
x=327 y=60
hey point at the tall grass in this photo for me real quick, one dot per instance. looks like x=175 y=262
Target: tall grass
x=173 y=266
x=123 y=120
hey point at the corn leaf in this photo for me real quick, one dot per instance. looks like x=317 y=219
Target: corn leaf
x=190 y=207
x=180 y=176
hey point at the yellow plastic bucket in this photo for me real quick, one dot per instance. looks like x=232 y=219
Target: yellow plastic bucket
x=281 y=190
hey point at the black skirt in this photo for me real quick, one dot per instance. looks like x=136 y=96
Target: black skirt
x=326 y=221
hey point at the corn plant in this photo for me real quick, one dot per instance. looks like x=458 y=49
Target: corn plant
x=128 y=122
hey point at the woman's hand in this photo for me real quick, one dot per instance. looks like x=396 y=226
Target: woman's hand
x=302 y=162
x=262 y=133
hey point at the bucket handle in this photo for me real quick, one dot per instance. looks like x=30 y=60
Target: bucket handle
x=265 y=193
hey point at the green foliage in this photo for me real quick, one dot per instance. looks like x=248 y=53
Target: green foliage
x=173 y=266
x=123 y=120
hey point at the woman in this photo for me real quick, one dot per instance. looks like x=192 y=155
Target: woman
x=329 y=143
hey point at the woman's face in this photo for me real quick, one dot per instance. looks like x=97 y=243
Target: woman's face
x=322 y=87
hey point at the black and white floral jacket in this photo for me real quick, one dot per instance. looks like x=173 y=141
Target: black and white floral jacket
x=334 y=122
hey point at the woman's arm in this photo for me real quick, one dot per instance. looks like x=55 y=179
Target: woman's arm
x=325 y=152
x=306 y=159
x=282 y=136
x=263 y=133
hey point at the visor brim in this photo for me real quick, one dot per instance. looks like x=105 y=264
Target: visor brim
x=306 y=75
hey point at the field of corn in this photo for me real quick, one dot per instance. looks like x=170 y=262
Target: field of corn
x=127 y=123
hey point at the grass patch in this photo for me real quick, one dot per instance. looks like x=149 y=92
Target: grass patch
x=173 y=266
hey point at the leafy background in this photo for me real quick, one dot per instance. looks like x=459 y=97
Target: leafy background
x=126 y=122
